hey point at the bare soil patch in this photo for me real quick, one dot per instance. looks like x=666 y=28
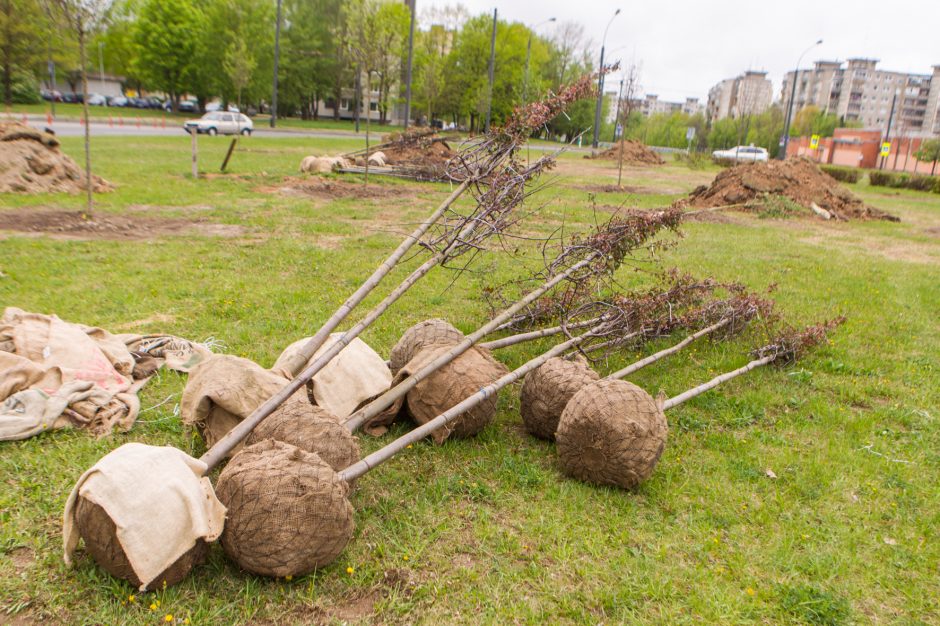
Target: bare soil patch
x=31 y=162
x=331 y=189
x=625 y=189
x=634 y=152
x=798 y=180
x=81 y=225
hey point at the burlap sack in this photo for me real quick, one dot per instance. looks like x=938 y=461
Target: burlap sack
x=547 y=390
x=433 y=332
x=160 y=502
x=444 y=388
x=288 y=512
x=354 y=375
x=223 y=390
x=611 y=433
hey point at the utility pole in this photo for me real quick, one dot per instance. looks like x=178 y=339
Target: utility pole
x=358 y=89
x=492 y=69
x=52 y=85
x=600 y=84
x=894 y=100
x=411 y=54
x=786 y=125
x=277 y=57
x=101 y=63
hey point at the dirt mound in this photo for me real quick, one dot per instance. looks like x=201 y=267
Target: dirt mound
x=328 y=188
x=81 y=225
x=31 y=162
x=422 y=152
x=634 y=152
x=798 y=180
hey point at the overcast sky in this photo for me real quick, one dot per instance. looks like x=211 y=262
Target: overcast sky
x=686 y=46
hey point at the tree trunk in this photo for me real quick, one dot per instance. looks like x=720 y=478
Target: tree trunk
x=84 y=62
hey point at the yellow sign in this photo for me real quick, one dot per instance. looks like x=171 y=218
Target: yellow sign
x=886 y=148
x=814 y=142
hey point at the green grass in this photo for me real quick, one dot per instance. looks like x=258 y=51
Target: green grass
x=488 y=530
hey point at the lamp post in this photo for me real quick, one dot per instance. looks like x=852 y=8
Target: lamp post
x=600 y=83
x=101 y=63
x=786 y=125
x=411 y=54
x=528 y=55
x=617 y=114
x=277 y=57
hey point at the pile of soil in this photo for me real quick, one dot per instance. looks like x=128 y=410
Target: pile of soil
x=634 y=153
x=81 y=225
x=31 y=162
x=798 y=180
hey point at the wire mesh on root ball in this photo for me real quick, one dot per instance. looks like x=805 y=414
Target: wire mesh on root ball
x=427 y=333
x=447 y=386
x=547 y=390
x=611 y=433
x=288 y=511
x=311 y=429
x=101 y=541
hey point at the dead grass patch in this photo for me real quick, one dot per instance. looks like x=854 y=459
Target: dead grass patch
x=90 y=226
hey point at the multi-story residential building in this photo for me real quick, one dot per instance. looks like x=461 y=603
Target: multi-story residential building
x=748 y=94
x=856 y=90
x=652 y=105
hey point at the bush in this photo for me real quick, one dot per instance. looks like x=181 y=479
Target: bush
x=694 y=160
x=903 y=180
x=842 y=174
x=25 y=89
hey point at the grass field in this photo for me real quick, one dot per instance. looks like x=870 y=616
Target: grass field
x=488 y=530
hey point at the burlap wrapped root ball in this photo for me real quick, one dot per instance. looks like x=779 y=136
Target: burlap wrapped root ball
x=611 y=433
x=310 y=428
x=98 y=531
x=450 y=385
x=547 y=389
x=433 y=332
x=288 y=512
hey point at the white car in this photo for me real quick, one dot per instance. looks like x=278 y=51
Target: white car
x=220 y=122
x=741 y=153
x=217 y=106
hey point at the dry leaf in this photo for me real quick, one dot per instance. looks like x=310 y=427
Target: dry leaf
x=770 y=473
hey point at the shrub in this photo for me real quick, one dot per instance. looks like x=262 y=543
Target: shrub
x=903 y=180
x=842 y=174
x=880 y=179
x=25 y=89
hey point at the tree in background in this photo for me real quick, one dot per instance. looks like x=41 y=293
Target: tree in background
x=167 y=35
x=928 y=152
x=810 y=120
x=239 y=39
x=24 y=32
x=117 y=42
x=309 y=56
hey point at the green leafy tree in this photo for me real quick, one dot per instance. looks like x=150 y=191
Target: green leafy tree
x=167 y=34
x=238 y=38
x=929 y=152
x=309 y=66
x=117 y=42
x=23 y=34
x=810 y=120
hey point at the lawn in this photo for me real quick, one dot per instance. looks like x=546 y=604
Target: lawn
x=488 y=530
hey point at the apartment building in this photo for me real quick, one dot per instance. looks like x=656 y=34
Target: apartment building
x=748 y=94
x=652 y=105
x=857 y=90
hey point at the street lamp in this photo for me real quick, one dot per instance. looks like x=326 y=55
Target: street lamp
x=101 y=63
x=411 y=55
x=528 y=55
x=600 y=82
x=786 y=125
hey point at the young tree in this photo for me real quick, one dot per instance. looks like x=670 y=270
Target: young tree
x=167 y=35
x=929 y=151
x=83 y=17
x=239 y=64
x=309 y=64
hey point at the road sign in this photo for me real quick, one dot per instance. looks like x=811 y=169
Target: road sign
x=886 y=148
x=814 y=142
x=690 y=133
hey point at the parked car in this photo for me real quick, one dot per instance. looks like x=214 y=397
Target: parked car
x=185 y=106
x=97 y=100
x=741 y=154
x=71 y=97
x=118 y=101
x=217 y=106
x=51 y=95
x=152 y=102
x=220 y=122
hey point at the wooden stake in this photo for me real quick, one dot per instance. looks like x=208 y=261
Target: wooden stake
x=195 y=156
x=228 y=155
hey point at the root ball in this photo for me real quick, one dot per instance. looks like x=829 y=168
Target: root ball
x=421 y=335
x=547 y=390
x=310 y=428
x=100 y=536
x=611 y=433
x=451 y=384
x=287 y=510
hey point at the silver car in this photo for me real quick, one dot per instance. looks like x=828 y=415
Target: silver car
x=220 y=123
x=741 y=154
